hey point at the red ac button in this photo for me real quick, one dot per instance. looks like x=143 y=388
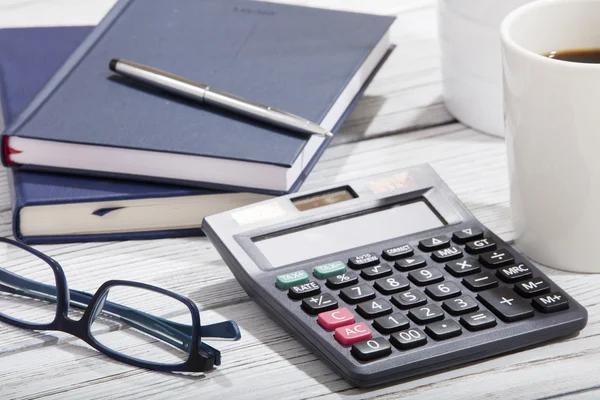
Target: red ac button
x=350 y=334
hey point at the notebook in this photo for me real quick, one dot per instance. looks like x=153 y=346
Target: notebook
x=57 y=208
x=310 y=62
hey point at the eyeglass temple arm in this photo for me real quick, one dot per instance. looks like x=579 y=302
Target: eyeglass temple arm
x=156 y=326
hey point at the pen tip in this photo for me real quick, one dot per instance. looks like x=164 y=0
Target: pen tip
x=113 y=64
x=328 y=134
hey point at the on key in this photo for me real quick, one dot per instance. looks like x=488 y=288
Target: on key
x=506 y=304
x=371 y=349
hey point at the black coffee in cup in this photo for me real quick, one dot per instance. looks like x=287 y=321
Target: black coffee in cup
x=589 y=56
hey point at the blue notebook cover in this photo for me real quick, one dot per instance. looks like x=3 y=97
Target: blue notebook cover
x=294 y=58
x=22 y=75
x=28 y=58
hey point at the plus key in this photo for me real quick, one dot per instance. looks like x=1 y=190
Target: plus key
x=506 y=304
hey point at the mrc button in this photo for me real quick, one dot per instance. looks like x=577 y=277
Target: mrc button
x=514 y=273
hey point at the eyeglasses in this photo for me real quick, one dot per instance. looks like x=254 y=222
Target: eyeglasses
x=132 y=322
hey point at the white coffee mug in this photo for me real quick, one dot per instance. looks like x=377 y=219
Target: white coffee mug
x=552 y=121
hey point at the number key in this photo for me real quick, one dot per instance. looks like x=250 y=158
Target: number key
x=391 y=285
x=410 y=299
x=460 y=305
x=426 y=276
x=391 y=323
x=426 y=314
x=377 y=271
x=371 y=349
x=442 y=291
x=374 y=308
x=408 y=339
x=357 y=294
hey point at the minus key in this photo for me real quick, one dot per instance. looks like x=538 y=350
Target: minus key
x=480 y=281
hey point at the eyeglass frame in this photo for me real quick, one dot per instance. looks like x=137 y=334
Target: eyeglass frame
x=201 y=356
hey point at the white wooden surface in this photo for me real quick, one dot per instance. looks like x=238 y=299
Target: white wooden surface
x=400 y=122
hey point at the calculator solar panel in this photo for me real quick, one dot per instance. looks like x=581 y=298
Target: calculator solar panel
x=390 y=276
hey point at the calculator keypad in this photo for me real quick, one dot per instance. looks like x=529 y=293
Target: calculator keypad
x=386 y=308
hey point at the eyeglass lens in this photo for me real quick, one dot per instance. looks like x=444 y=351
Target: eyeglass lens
x=27 y=286
x=143 y=324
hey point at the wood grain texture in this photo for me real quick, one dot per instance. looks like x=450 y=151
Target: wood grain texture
x=268 y=362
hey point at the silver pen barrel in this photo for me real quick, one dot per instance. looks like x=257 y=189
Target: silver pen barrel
x=204 y=94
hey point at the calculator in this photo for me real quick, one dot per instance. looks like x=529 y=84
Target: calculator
x=390 y=276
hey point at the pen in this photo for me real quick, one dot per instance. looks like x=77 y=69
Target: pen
x=205 y=94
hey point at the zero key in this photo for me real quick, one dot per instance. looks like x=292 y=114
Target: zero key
x=371 y=349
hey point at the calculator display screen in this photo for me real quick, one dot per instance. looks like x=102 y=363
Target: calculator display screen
x=347 y=232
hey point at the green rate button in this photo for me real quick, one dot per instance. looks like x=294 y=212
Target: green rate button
x=330 y=269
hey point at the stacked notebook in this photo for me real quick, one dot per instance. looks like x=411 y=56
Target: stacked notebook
x=97 y=157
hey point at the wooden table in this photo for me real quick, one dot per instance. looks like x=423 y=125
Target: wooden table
x=401 y=121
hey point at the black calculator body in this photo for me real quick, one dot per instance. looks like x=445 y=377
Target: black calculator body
x=390 y=276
